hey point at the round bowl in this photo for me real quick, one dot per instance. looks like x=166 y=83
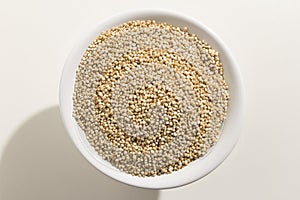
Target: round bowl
x=196 y=169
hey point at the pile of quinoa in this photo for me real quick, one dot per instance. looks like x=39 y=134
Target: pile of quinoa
x=150 y=97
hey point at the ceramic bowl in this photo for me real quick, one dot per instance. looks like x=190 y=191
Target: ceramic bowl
x=196 y=169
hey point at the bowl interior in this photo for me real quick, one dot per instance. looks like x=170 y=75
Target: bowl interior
x=194 y=170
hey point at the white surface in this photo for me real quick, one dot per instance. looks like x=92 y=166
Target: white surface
x=199 y=168
x=35 y=161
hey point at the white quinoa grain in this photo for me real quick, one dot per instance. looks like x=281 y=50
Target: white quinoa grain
x=150 y=97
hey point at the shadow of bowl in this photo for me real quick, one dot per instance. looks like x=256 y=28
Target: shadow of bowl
x=40 y=162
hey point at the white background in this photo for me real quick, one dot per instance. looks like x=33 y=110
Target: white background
x=38 y=161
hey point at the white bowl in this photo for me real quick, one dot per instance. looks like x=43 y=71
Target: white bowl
x=198 y=168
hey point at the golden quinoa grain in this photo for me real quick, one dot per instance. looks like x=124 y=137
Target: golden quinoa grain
x=150 y=97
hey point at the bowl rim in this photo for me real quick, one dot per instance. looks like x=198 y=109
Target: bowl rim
x=149 y=182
